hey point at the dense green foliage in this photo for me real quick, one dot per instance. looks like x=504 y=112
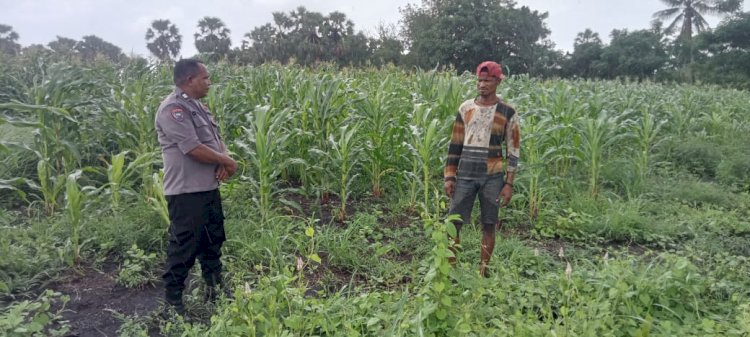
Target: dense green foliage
x=465 y=33
x=630 y=213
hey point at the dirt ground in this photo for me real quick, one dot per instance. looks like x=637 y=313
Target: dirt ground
x=95 y=297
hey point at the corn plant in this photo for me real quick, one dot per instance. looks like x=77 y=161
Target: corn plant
x=682 y=113
x=427 y=134
x=536 y=155
x=596 y=136
x=444 y=93
x=646 y=130
x=380 y=128
x=50 y=125
x=565 y=110
x=156 y=196
x=75 y=201
x=321 y=108
x=120 y=177
x=221 y=101
x=130 y=109
x=50 y=185
x=52 y=104
x=266 y=147
x=339 y=162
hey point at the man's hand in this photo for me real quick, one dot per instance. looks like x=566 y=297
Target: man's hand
x=230 y=166
x=506 y=193
x=226 y=170
x=221 y=173
x=450 y=187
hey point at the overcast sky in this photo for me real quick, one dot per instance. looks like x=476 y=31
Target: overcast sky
x=124 y=23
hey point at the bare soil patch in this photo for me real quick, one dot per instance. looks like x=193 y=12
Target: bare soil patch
x=95 y=297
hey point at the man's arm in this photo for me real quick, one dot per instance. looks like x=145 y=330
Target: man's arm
x=513 y=146
x=454 y=155
x=205 y=154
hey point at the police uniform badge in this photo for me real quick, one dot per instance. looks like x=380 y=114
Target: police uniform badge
x=178 y=114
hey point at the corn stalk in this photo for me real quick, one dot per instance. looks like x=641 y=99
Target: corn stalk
x=266 y=148
x=157 y=199
x=341 y=159
x=75 y=201
x=646 y=130
x=121 y=177
x=596 y=135
x=380 y=129
x=427 y=134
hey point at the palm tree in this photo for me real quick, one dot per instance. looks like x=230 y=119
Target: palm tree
x=689 y=14
x=164 y=40
x=213 y=37
x=587 y=36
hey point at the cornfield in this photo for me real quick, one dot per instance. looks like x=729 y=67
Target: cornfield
x=336 y=218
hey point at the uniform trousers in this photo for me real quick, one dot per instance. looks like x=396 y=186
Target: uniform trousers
x=196 y=231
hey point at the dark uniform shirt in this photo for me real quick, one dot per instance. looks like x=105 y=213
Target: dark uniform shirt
x=183 y=123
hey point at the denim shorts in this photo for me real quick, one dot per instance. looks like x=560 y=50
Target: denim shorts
x=466 y=191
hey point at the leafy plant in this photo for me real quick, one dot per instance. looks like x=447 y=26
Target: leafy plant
x=267 y=141
x=75 y=201
x=35 y=318
x=120 y=177
x=157 y=199
x=341 y=159
x=138 y=268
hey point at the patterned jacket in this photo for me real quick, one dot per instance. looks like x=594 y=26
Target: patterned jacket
x=479 y=131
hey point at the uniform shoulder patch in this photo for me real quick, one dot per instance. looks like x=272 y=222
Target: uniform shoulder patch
x=177 y=113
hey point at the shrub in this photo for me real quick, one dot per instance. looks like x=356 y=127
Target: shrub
x=138 y=269
x=735 y=171
x=698 y=156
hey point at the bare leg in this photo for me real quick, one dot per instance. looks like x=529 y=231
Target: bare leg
x=488 y=246
x=455 y=245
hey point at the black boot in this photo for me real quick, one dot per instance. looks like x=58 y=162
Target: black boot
x=215 y=287
x=174 y=301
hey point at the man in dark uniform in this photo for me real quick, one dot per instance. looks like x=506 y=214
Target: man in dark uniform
x=195 y=161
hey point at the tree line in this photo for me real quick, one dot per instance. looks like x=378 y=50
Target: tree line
x=679 y=45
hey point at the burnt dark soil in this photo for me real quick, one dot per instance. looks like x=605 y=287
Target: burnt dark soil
x=95 y=297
